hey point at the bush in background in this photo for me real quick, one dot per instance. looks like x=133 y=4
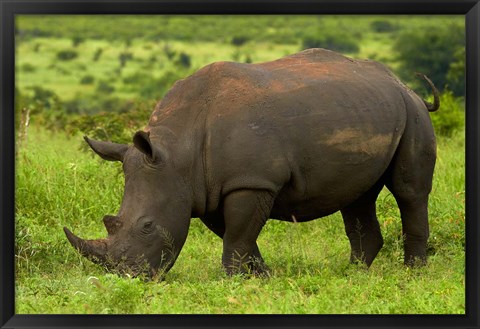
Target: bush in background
x=341 y=42
x=239 y=40
x=98 y=54
x=456 y=73
x=105 y=87
x=124 y=57
x=184 y=60
x=169 y=52
x=87 y=80
x=112 y=126
x=433 y=51
x=27 y=67
x=44 y=105
x=67 y=55
x=383 y=26
x=451 y=115
x=77 y=40
x=152 y=88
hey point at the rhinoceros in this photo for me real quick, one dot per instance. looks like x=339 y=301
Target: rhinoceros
x=294 y=139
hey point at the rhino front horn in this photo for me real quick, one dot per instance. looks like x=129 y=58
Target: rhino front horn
x=95 y=250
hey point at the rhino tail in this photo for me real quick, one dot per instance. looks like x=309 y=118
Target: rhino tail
x=436 y=98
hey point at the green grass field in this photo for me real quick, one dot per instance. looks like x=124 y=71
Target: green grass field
x=58 y=185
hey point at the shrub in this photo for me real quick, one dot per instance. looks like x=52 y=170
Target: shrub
x=239 y=40
x=456 y=73
x=184 y=60
x=432 y=51
x=334 y=41
x=155 y=88
x=102 y=126
x=451 y=115
x=105 y=88
x=27 y=67
x=236 y=55
x=94 y=104
x=67 y=55
x=239 y=56
x=169 y=52
x=45 y=107
x=124 y=57
x=134 y=79
x=98 y=54
x=43 y=99
x=113 y=126
x=149 y=87
x=77 y=40
x=87 y=80
x=382 y=26
x=152 y=59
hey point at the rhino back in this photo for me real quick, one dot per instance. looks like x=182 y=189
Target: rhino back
x=304 y=127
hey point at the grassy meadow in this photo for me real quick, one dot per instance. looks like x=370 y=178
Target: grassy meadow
x=57 y=186
x=105 y=64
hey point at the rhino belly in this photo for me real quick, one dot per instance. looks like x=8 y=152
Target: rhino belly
x=330 y=177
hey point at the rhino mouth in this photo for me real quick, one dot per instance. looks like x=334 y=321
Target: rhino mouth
x=143 y=270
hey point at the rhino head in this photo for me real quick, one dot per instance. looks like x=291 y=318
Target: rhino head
x=151 y=227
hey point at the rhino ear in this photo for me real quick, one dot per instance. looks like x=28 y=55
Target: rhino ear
x=108 y=150
x=141 y=140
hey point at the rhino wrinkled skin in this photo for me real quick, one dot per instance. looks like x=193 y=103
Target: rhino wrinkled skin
x=294 y=139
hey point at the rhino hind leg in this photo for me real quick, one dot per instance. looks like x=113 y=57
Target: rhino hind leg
x=362 y=227
x=410 y=182
x=245 y=213
x=414 y=215
x=412 y=200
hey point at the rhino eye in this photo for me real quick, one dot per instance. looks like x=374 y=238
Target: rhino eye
x=147 y=227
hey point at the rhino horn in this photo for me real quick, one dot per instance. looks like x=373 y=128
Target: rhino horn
x=112 y=224
x=108 y=150
x=95 y=250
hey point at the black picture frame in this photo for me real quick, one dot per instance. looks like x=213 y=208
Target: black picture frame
x=10 y=8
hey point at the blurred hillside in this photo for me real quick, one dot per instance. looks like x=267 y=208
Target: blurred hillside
x=71 y=66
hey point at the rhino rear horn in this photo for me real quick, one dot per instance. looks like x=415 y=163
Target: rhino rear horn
x=112 y=224
x=108 y=150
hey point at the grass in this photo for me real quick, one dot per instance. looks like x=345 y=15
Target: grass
x=57 y=185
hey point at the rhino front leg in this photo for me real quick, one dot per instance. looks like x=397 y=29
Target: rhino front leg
x=246 y=212
x=216 y=224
